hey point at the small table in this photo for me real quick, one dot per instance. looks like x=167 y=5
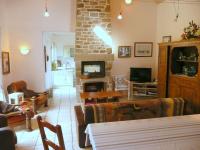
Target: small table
x=89 y=96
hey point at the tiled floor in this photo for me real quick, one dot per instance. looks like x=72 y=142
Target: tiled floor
x=60 y=111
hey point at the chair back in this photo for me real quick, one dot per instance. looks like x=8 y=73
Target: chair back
x=17 y=86
x=56 y=129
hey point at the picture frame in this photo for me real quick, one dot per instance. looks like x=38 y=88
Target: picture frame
x=124 y=51
x=5 y=62
x=166 y=39
x=143 y=49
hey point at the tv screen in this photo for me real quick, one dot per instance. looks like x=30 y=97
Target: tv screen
x=93 y=68
x=140 y=74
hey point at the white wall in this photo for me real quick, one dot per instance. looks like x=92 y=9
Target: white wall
x=138 y=25
x=26 y=25
x=166 y=14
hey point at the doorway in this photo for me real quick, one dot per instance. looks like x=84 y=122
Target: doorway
x=60 y=67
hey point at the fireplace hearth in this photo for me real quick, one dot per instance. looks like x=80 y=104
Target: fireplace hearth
x=94 y=87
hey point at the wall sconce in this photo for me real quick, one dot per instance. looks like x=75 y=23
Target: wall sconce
x=24 y=50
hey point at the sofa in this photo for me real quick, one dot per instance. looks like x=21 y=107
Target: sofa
x=37 y=99
x=128 y=110
x=8 y=137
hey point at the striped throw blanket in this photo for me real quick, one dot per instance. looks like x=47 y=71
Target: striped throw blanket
x=130 y=110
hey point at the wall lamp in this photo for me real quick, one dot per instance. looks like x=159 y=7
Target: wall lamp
x=24 y=50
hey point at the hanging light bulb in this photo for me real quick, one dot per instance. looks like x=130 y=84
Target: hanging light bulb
x=46 y=13
x=128 y=2
x=120 y=17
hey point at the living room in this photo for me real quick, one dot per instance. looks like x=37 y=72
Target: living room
x=149 y=21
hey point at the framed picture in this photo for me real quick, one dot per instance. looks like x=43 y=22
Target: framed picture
x=143 y=49
x=166 y=39
x=5 y=63
x=124 y=51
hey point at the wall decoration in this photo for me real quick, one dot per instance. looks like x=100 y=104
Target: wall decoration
x=124 y=51
x=166 y=39
x=5 y=63
x=191 y=32
x=143 y=49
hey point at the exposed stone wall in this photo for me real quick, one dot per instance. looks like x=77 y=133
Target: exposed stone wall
x=89 y=47
x=89 y=14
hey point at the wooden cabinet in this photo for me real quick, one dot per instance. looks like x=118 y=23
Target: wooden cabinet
x=179 y=71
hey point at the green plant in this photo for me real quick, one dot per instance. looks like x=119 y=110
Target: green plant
x=192 y=31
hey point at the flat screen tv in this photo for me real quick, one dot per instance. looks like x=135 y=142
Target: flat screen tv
x=140 y=74
x=93 y=69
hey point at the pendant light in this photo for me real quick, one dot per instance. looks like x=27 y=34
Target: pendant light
x=120 y=17
x=128 y=2
x=46 y=13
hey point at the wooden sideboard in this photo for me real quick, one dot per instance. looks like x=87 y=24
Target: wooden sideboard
x=179 y=71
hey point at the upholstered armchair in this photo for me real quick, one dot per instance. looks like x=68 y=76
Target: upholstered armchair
x=8 y=137
x=37 y=99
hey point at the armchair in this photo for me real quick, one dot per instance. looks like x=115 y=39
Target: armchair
x=37 y=99
x=8 y=138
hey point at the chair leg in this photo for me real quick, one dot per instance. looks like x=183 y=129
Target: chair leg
x=28 y=121
x=46 y=103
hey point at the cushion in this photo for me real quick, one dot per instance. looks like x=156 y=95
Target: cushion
x=172 y=106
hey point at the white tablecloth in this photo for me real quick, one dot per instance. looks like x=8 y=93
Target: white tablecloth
x=169 y=133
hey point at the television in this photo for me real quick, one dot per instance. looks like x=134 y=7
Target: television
x=93 y=69
x=140 y=74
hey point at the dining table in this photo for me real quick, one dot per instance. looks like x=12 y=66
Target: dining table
x=166 y=133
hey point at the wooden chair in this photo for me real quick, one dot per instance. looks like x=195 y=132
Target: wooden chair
x=56 y=129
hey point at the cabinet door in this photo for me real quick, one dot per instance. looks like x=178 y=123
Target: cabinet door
x=162 y=71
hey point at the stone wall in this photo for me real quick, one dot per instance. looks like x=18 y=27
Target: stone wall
x=88 y=46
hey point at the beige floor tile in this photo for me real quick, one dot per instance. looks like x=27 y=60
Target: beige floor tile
x=60 y=111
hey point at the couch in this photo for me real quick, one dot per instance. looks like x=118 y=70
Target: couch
x=8 y=137
x=129 y=110
x=37 y=99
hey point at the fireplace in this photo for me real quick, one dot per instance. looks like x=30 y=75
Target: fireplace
x=94 y=87
x=93 y=69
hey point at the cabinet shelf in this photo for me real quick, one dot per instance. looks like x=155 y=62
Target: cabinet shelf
x=189 y=61
x=147 y=89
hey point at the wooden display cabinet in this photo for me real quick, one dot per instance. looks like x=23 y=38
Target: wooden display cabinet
x=179 y=71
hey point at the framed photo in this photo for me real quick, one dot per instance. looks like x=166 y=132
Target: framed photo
x=124 y=51
x=143 y=49
x=166 y=39
x=5 y=63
